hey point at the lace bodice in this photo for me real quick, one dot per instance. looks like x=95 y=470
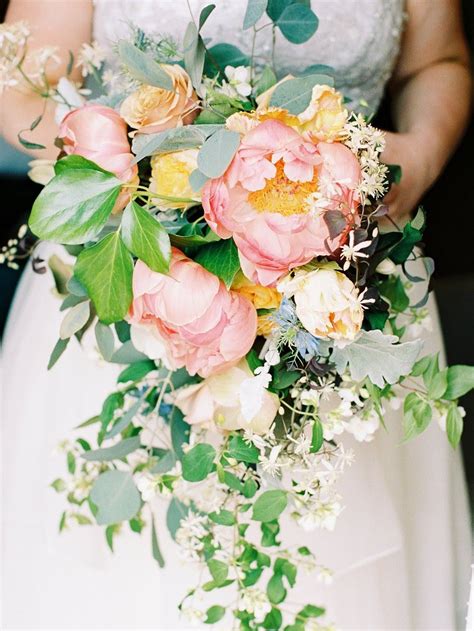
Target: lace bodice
x=360 y=39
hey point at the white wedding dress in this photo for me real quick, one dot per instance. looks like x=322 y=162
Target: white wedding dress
x=401 y=548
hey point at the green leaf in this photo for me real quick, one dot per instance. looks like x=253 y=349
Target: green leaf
x=417 y=415
x=454 y=425
x=311 y=611
x=146 y=238
x=273 y=620
x=412 y=234
x=122 y=329
x=431 y=370
x=106 y=269
x=395 y=173
x=242 y=451
x=109 y=537
x=127 y=354
x=116 y=497
x=71 y=462
x=220 y=258
x=250 y=488
x=198 y=462
x=287 y=569
x=217 y=152
x=276 y=591
x=298 y=23
x=317 y=438
x=284 y=378
x=460 y=381
x=214 y=614
x=393 y=290
x=269 y=505
x=222 y=55
x=255 y=10
x=74 y=320
x=136 y=371
x=276 y=7
x=219 y=570
x=155 y=548
x=194 y=54
x=179 y=432
x=105 y=340
x=270 y=531
x=421 y=366
x=57 y=351
x=75 y=205
x=223 y=517
x=176 y=139
x=438 y=385
x=378 y=357
x=142 y=67
x=116 y=452
x=266 y=81
x=295 y=95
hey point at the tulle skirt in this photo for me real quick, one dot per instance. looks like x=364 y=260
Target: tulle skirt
x=400 y=552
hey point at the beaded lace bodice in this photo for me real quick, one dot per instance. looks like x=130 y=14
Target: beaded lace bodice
x=359 y=39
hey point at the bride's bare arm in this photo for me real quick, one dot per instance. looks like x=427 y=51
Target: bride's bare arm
x=431 y=90
x=62 y=23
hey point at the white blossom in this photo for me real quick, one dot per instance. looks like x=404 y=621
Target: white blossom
x=255 y=601
x=239 y=79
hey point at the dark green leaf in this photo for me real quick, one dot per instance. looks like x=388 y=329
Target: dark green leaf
x=220 y=258
x=58 y=350
x=136 y=371
x=146 y=238
x=179 y=432
x=393 y=290
x=273 y=620
x=205 y=13
x=106 y=269
x=222 y=55
x=75 y=205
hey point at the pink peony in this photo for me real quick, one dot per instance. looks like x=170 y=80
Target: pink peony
x=98 y=133
x=188 y=318
x=273 y=197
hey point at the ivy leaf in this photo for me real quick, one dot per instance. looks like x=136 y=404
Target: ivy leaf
x=217 y=152
x=198 y=462
x=298 y=23
x=295 y=95
x=116 y=497
x=142 y=67
x=146 y=238
x=269 y=505
x=255 y=10
x=105 y=270
x=378 y=357
x=115 y=452
x=220 y=258
x=75 y=205
x=393 y=290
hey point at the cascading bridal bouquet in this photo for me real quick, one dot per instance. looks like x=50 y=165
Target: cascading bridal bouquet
x=225 y=231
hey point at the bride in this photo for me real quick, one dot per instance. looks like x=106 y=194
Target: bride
x=401 y=550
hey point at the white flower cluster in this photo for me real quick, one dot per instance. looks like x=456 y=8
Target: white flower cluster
x=189 y=535
x=367 y=143
x=255 y=601
x=90 y=58
x=13 y=39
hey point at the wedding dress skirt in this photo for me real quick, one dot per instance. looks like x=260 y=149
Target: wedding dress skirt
x=400 y=550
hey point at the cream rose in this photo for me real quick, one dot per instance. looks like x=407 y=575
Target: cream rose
x=327 y=303
x=170 y=177
x=218 y=400
x=150 y=109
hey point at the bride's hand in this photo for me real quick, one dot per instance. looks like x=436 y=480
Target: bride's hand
x=404 y=150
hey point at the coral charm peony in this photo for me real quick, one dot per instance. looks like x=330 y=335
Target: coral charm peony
x=273 y=197
x=188 y=318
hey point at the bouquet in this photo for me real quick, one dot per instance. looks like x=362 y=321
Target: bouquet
x=228 y=245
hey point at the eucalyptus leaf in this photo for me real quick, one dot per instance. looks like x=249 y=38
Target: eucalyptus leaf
x=205 y=13
x=155 y=547
x=175 y=513
x=378 y=357
x=57 y=351
x=75 y=205
x=255 y=10
x=298 y=23
x=177 y=139
x=74 y=320
x=116 y=497
x=105 y=340
x=142 y=67
x=266 y=81
x=194 y=54
x=197 y=180
x=295 y=95
x=127 y=354
x=106 y=269
x=221 y=259
x=124 y=421
x=146 y=238
x=115 y=452
x=217 y=152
